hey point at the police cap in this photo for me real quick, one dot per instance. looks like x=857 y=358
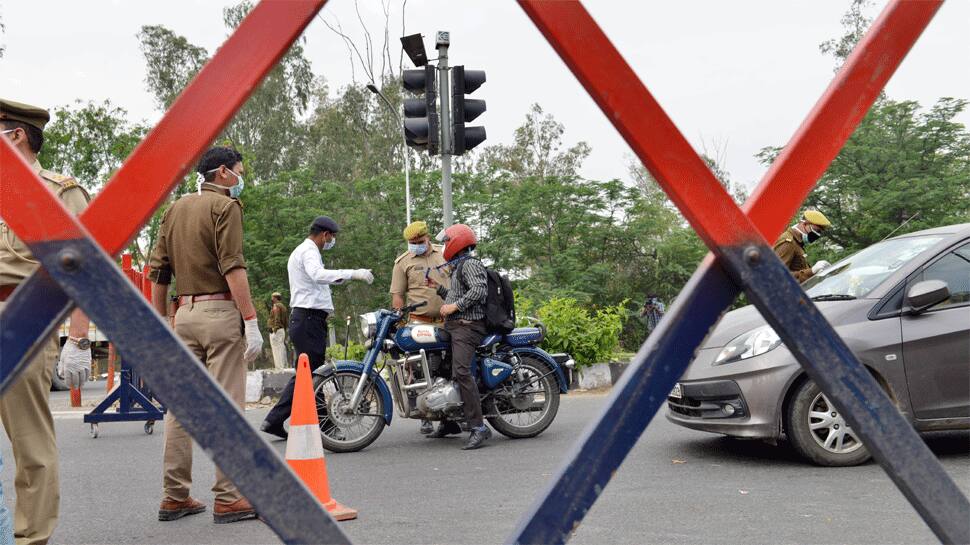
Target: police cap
x=323 y=223
x=24 y=113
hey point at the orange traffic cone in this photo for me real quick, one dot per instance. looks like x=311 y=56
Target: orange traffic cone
x=304 y=449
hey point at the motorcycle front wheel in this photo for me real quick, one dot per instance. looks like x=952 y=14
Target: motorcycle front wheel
x=527 y=403
x=342 y=431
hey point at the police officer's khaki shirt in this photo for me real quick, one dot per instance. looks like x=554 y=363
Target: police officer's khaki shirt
x=199 y=242
x=792 y=254
x=16 y=260
x=408 y=280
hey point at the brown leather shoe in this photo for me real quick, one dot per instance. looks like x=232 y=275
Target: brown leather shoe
x=174 y=510
x=224 y=513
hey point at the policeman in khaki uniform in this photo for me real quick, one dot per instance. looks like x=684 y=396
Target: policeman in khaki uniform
x=200 y=244
x=411 y=279
x=278 y=318
x=790 y=246
x=25 y=408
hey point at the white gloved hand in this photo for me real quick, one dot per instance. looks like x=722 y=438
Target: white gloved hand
x=820 y=266
x=74 y=364
x=254 y=340
x=362 y=274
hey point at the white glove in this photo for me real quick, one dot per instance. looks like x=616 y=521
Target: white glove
x=74 y=364
x=820 y=266
x=362 y=274
x=254 y=340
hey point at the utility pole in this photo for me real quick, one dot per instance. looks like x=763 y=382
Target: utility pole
x=442 y=40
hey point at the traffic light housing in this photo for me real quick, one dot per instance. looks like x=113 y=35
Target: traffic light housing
x=421 y=129
x=466 y=109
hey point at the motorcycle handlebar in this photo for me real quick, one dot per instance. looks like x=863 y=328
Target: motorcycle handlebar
x=412 y=308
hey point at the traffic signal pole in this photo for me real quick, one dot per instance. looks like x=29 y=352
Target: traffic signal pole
x=444 y=94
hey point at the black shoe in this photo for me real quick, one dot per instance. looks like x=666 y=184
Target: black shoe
x=426 y=427
x=444 y=429
x=273 y=430
x=476 y=439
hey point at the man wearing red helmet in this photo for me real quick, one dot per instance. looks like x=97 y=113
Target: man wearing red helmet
x=464 y=313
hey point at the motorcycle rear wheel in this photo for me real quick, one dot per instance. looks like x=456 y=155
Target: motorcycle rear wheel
x=516 y=418
x=347 y=432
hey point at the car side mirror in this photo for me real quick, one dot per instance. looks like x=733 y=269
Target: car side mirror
x=925 y=294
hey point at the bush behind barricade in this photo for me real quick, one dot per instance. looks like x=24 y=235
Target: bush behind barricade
x=588 y=335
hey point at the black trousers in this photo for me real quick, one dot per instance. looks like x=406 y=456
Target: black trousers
x=308 y=331
x=465 y=338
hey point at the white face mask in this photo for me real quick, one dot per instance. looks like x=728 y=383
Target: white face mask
x=234 y=191
x=329 y=244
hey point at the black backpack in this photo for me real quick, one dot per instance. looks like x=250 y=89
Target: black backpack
x=499 y=302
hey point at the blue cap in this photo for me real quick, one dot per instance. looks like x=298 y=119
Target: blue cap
x=326 y=224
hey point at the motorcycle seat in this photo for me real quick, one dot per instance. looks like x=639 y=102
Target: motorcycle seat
x=520 y=336
x=524 y=336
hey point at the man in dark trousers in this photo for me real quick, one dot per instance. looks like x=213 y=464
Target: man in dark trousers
x=464 y=312
x=310 y=305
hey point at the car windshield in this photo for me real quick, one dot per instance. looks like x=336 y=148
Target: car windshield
x=860 y=273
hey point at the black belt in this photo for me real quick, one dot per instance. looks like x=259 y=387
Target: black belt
x=311 y=311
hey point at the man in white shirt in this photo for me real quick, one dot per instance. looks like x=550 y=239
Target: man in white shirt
x=310 y=305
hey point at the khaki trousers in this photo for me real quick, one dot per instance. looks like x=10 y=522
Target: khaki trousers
x=277 y=340
x=26 y=415
x=213 y=332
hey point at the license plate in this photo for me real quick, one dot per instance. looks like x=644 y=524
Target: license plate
x=677 y=392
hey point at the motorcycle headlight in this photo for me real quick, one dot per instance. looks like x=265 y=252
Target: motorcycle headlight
x=368 y=325
x=753 y=343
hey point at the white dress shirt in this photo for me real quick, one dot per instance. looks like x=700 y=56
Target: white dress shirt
x=310 y=280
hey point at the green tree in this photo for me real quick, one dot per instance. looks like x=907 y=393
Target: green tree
x=89 y=141
x=902 y=164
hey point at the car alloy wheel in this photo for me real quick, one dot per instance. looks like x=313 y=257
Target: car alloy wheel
x=829 y=429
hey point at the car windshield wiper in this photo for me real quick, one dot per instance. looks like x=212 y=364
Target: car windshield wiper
x=833 y=297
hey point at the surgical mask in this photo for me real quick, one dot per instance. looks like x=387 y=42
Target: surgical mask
x=812 y=235
x=236 y=190
x=418 y=249
x=329 y=244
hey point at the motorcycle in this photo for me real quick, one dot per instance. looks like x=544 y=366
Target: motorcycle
x=519 y=383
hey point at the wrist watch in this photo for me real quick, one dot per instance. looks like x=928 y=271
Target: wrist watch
x=83 y=343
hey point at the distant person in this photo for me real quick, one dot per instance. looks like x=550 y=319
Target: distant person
x=278 y=318
x=413 y=274
x=200 y=245
x=311 y=304
x=790 y=246
x=653 y=310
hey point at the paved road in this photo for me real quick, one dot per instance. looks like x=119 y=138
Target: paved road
x=677 y=486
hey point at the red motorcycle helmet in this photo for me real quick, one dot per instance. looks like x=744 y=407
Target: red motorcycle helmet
x=458 y=237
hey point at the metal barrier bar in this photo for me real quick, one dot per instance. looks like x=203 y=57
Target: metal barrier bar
x=89 y=276
x=158 y=164
x=597 y=64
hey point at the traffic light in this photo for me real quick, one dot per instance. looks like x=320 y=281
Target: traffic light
x=466 y=109
x=421 y=114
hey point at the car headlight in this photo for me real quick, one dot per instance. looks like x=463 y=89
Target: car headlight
x=368 y=325
x=753 y=343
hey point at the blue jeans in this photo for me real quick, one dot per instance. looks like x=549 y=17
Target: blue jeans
x=6 y=527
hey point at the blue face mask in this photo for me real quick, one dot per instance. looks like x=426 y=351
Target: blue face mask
x=418 y=249
x=236 y=190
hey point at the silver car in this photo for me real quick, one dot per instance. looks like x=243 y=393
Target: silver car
x=901 y=305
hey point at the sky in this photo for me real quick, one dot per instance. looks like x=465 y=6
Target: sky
x=734 y=76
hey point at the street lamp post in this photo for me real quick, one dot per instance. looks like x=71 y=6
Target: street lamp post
x=404 y=150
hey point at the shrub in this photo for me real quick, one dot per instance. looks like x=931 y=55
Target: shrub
x=589 y=337
x=355 y=351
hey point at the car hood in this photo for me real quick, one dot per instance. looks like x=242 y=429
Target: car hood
x=744 y=319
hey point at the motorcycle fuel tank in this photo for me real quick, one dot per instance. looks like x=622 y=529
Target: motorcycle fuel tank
x=415 y=337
